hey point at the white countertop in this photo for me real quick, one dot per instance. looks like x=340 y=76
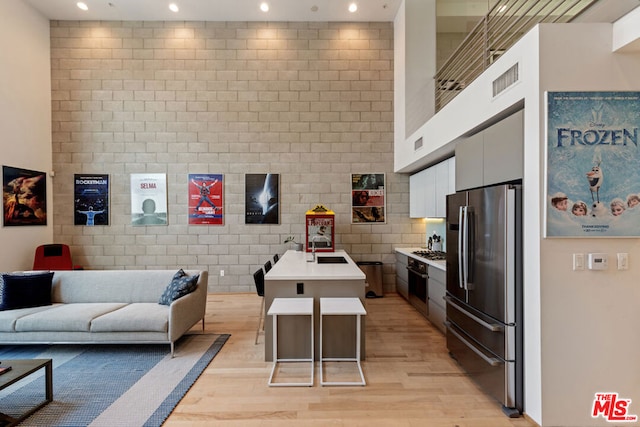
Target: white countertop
x=442 y=265
x=293 y=265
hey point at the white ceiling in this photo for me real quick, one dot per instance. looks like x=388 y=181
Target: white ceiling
x=218 y=10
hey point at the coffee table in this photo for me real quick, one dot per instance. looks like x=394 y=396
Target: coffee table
x=22 y=369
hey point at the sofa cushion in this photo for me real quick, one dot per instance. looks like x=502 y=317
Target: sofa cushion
x=181 y=285
x=8 y=318
x=137 y=317
x=25 y=290
x=65 y=317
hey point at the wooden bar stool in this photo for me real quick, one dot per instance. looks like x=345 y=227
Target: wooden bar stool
x=342 y=307
x=290 y=307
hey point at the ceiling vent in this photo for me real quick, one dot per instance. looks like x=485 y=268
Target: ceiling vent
x=505 y=80
x=417 y=144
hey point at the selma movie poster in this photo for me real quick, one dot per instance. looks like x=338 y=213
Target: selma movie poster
x=593 y=164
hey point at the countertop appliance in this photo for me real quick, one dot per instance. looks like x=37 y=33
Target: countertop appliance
x=484 y=318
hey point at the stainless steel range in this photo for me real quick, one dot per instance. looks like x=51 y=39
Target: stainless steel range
x=431 y=255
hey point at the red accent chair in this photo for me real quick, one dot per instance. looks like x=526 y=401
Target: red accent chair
x=54 y=257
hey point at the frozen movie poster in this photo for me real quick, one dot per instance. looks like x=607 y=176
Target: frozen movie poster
x=367 y=198
x=24 y=197
x=593 y=164
x=262 y=199
x=205 y=199
x=148 y=199
x=91 y=200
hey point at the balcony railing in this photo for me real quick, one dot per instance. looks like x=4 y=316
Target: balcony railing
x=501 y=28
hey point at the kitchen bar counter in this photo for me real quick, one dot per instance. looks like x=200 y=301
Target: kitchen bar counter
x=442 y=265
x=294 y=265
x=293 y=277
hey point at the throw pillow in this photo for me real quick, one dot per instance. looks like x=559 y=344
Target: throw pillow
x=25 y=290
x=181 y=285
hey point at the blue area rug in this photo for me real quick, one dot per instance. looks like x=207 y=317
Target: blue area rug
x=109 y=385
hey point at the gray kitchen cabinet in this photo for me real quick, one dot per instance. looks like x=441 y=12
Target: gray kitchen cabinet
x=491 y=156
x=469 y=162
x=436 y=292
x=402 y=275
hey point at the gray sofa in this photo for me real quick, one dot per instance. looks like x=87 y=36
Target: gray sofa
x=107 y=306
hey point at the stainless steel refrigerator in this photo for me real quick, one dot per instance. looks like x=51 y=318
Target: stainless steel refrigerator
x=484 y=289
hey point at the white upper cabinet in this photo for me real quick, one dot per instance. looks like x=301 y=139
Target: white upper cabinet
x=428 y=190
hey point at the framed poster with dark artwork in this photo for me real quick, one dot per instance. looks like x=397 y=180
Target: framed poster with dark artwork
x=262 y=198
x=24 y=197
x=91 y=200
x=592 y=159
x=149 y=199
x=368 y=198
x=205 y=199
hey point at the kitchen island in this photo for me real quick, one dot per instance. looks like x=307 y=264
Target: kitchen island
x=294 y=277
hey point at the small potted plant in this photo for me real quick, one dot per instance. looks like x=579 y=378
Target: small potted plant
x=292 y=239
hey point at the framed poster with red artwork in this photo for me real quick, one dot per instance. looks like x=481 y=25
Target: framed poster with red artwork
x=320 y=226
x=24 y=197
x=206 y=201
x=368 y=198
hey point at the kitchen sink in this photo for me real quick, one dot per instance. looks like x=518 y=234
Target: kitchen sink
x=331 y=260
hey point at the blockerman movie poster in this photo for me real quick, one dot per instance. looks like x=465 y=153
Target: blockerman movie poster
x=91 y=200
x=593 y=164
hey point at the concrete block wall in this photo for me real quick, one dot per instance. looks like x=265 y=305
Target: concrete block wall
x=312 y=102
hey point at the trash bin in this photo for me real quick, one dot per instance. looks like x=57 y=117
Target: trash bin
x=373 y=281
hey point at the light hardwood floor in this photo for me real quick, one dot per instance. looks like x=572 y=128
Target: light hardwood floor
x=411 y=380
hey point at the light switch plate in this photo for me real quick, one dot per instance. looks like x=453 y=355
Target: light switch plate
x=578 y=262
x=623 y=261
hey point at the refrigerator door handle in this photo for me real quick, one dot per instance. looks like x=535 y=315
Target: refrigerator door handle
x=490 y=360
x=493 y=327
x=461 y=247
x=465 y=246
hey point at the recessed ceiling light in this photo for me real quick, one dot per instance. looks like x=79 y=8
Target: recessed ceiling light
x=353 y=7
x=174 y=7
x=82 y=5
x=264 y=7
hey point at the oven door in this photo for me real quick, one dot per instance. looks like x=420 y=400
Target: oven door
x=418 y=291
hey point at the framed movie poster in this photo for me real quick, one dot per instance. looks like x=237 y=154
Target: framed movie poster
x=205 y=199
x=320 y=229
x=368 y=198
x=24 y=197
x=262 y=198
x=149 y=199
x=593 y=173
x=91 y=200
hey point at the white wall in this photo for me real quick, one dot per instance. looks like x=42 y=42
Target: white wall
x=25 y=118
x=589 y=320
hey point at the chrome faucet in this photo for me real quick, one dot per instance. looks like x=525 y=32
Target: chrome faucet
x=314 y=239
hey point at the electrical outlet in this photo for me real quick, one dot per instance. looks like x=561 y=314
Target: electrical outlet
x=221 y=273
